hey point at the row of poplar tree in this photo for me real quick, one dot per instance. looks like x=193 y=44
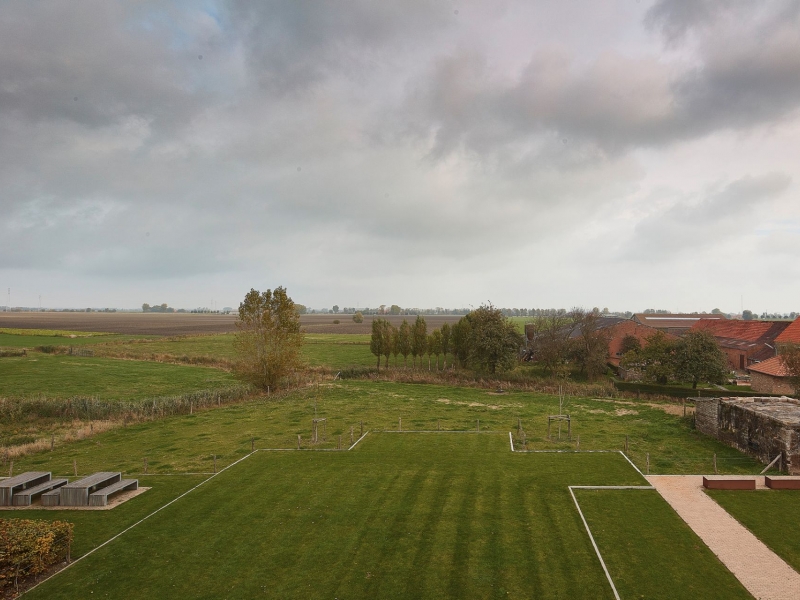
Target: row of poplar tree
x=484 y=340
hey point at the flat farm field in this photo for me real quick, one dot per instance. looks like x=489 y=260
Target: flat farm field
x=172 y=324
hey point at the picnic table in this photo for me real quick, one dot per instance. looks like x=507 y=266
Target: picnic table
x=12 y=485
x=77 y=493
x=25 y=497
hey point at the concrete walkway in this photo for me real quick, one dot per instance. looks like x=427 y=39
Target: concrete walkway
x=761 y=571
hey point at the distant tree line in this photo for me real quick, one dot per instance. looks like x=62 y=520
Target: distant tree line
x=157 y=308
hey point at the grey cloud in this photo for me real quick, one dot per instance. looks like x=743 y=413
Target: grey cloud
x=720 y=215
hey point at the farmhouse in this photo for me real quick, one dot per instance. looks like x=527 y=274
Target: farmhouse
x=743 y=342
x=676 y=324
x=760 y=427
x=770 y=377
x=790 y=335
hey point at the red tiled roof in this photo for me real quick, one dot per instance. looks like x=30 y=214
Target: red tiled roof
x=772 y=366
x=791 y=334
x=750 y=331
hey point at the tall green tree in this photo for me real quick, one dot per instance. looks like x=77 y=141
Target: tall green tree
x=419 y=338
x=376 y=340
x=395 y=344
x=655 y=361
x=268 y=339
x=698 y=357
x=387 y=339
x=494 y=341
x=590 y=343
x=445 y=332
x=459 y=340
x=404 y=341
x=435 y=345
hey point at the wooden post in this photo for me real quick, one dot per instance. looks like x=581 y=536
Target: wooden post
x=548 y=429
x=351 y=435
x=215 y=463
x=339 y=447
x=715 y=463
x=324 y=430
x=626 y=443
x=569 y=429
x=252 y=444
x=52 y=442
x=400 y=424
x=191 y=408
x=648 y=463
x=362 y=428
x=298 y=442
x=438 y=425
x=477 y=425
x=75 y=467
x=579 y=443
x=145 y=465
x=219 y=400
x=91 y=427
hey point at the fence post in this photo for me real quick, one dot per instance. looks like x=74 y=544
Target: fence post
x=252 y=444
x=298 y=442
x=362 y=428
x=579 y=443
x=477 y=424
x=75 y=466
x=52 y=442
x=339 y=447
x=626 y=443
x=715 y=463
x=400 y=424
x=145 y=465
x=351 y=435
x=648 y=463
x=215 y=463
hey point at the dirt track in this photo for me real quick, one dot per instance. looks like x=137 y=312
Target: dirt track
x=187 y=323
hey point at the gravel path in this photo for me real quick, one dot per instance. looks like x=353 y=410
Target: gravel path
x=761 y=571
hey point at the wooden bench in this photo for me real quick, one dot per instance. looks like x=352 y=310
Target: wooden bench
x=100 y=497
x=711 y=482
x=12 y=485
x=782 y=483
x=77 y=493
x=52 y=498
x=25 y=497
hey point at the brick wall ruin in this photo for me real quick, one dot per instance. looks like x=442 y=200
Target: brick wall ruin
x=760 y=427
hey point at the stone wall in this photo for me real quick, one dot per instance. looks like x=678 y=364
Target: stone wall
x=767 y=384
x=760 y=427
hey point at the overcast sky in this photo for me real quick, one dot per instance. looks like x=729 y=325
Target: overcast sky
x=420 y=152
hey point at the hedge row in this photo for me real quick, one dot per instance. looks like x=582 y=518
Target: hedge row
x=28 y=548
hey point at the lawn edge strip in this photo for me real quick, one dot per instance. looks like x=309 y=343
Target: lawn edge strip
x=142 y=520
x=586 y=525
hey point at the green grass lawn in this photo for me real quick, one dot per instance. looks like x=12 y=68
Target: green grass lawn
x=66 y=376
x=188 y=442
x=649 y=551
x=401 y=516
x=772 y=515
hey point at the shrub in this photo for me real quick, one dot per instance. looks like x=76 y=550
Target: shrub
x=28 y=548
x=358 y=317
x=336 y=321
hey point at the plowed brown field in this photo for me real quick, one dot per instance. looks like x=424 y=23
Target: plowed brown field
x=187 y=323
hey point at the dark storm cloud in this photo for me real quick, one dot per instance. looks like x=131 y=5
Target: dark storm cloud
x=746 y=73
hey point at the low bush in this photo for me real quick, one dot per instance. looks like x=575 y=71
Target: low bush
x=29 y=548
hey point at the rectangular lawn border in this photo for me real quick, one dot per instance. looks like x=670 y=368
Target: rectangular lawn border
x=586 y=525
